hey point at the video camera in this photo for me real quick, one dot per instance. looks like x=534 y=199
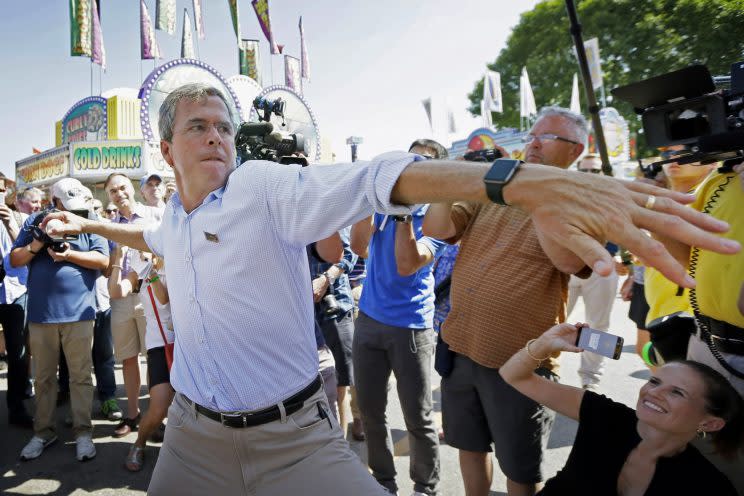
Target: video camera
x=55 y=243
x=259 y=141
x=685 y=108
x=484 y=155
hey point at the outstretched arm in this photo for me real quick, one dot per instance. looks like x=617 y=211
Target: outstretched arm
x=126 y=234
x=578 y=211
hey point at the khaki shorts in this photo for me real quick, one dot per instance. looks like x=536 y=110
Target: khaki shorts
x=128 y=327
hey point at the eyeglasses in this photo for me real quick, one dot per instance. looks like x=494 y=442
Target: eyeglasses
x=667 y=154
x=545 y=137
x=111 y=210
x=591 y=171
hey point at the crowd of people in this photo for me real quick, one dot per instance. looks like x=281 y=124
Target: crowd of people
x=263 y=295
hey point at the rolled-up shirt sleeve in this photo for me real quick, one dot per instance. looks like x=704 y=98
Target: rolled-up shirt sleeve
x=154 y=238
x=311 y=203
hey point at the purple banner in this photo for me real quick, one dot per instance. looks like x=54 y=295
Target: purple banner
x=98 y=55
x=148 y=43
x=303 y=53
x=198 y=19
x=264 y=19
x=292 y=76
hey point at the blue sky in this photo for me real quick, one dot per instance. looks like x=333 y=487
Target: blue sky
x=372 y=62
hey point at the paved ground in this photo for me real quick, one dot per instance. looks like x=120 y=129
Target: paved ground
x=57 y=472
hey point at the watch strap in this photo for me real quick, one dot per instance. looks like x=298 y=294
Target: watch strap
x=506 y=168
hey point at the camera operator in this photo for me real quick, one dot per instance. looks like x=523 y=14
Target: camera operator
x=394 y=333
x=240 y=286
x=334 y=311
x=13 y=297
x=61 y=312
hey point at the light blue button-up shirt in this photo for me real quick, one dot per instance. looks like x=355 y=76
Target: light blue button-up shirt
x=14 y=284
x=238 y=278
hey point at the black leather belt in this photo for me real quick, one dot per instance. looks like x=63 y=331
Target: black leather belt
x=727 y=337
x=238 y=420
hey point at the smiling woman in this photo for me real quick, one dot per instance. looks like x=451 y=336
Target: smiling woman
x=646 y=451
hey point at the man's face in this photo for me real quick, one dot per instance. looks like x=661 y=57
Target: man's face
x=121 y=192
x=424 y=151
x=152 y=191
x=684 y=172
x=30 y=203
x=559 y=152
x=591 y=164
x=203 y=145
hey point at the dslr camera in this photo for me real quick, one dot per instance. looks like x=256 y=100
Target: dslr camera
x=484 y=155
x=259 y=140
x=55 y=243
x=690 y=107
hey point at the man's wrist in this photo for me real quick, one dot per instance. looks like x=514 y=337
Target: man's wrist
x=520 y=189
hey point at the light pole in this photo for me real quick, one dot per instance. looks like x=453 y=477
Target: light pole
x=353 y=141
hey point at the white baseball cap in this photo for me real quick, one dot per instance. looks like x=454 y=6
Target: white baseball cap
x=72 y=193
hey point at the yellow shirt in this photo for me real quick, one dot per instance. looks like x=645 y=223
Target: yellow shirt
x=662 y=296
x=719 y=277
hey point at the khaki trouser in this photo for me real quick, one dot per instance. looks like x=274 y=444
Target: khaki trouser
x=76 y=339
x=303 y=454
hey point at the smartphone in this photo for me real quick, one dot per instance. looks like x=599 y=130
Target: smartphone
x=601 y=343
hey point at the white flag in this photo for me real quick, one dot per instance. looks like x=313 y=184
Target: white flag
x=492 y=90
x=527 y=105
x=427 y=108
x=187 y=43
x=592 y=58
x=575 y=101
x=451 y=126
x=486 y=114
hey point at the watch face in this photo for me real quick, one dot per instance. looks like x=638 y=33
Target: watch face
x=501 y=170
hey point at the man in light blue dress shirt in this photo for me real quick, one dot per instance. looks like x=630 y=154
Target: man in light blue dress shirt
x=250 y=416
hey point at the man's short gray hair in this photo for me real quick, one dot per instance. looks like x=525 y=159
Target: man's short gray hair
x=194 y=92
x=577 y=121
x=25 y=193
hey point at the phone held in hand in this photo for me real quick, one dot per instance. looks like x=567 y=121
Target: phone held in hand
x=601 y=343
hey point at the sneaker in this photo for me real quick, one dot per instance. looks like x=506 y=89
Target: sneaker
x=85 y=448
x=126 y=426
x=110 y=409
x=34 y=447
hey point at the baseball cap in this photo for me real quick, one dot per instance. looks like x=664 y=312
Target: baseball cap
x=144 y=180
x=72 y=193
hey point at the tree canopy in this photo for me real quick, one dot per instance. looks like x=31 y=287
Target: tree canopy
x=637 y=40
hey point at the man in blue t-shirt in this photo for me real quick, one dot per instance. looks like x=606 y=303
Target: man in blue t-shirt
x=394 y=333
x=61 y=312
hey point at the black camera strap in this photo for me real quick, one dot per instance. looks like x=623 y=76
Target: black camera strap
x=705 y=333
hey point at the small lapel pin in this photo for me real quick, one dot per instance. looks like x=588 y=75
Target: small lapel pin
x=211 y=237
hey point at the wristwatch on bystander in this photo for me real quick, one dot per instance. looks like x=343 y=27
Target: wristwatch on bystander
x=501 y=172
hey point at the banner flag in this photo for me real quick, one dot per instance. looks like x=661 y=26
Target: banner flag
x=80 y=28
x=303 y=53
x=427 y=108
x=592 y=58
x=264 y=19
x=451 y=126
x=234 y=14
x=198 y=19
x=98 y=55
x=292 y=77
x=527 y=105
x=575 y=101
x=486 y=114
x=492 y=90
x=148 y=44
x=165 y=16
x=248 y=59
x=187 y=40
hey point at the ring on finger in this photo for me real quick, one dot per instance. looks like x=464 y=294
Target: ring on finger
x=650 y=202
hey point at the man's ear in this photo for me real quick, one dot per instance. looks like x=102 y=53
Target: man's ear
x=165 y=150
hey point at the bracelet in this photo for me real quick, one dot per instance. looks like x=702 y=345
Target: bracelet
x=155 y=278
x=116 y=266
x=527 y=349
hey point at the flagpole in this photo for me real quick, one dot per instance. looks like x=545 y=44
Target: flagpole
x=91 y=76
x=271 y=66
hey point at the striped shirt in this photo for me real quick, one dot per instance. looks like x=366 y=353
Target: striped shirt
x=238 y=276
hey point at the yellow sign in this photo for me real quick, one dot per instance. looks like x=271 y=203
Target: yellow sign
x=44 y=168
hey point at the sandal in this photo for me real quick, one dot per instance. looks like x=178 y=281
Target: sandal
x=126 y=426
x=135 y=459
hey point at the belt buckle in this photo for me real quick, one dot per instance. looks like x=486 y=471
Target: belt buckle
x=233 y=415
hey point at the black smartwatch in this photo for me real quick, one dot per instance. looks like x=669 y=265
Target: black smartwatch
x=501 y=172
x=406 y=219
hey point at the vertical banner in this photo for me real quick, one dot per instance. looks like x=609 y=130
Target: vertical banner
x=80 y=28
x=187 y=41
x=235 y=16
x=492 y=91
x=592 y=58
x=292 y=77
x=486 y=114
x=148 y=44
x=575 y=101
x=527 y=105
x=427 y=108
x=165 y=16
x=451 y=126
x=198 y=19
x=98 y=51
x=248 y=58
x=264 y=19
x=303 y=53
